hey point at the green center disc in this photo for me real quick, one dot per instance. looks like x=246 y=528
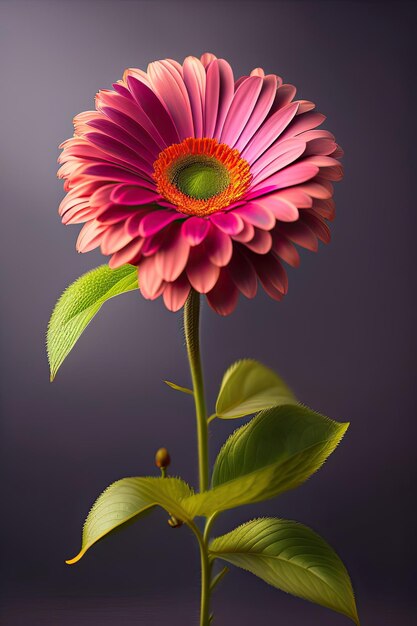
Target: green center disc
x=200 y=177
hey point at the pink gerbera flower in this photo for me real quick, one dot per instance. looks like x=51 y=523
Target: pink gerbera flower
x=201 y=180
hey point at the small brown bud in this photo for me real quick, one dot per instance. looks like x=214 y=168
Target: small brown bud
x=162 y=458
x=174 y=522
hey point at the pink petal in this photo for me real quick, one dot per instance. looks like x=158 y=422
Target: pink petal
x=127 y=105
x=296 y=196
x=132 y=195
x=302 y=123
x=280 y=208
x=115 y=238
x=128 y=254
x=176 y=293
x=135 y=129
x=218 y=246
x=246 y=234
x=321 y=146
x=261 y=242
x=224 y=296
x=305 y=105
x=122 y=90
x=226 y=91
x=133 y=222
x=260 y=111
x=207 y=58
x=172 y=257
x=153 y=244
x=101 y=196
x=285 y=249
x=317 y=190
x=317 y=225
x=78 y=214
x=110 y=129
x=157 y=220
x=325 y=208
x=117 y=174
x=271 y=274
x=291 y=175
x=150 y=282
x=276 y=159
x=230 y=223
x=320 y=133
x=201 y=273
x=211 y=104
x=258 y=71
x=257 y=214
x=285 y=93
x=240 y=110
x=243 y=274
x=195 y=81
x=300 y=234
x=195 y=230
x=269 y=132
x=113 y=214
x=169 y=85
x=154 y=110
x=90 y=236
x=121 y=152
x=338 y=153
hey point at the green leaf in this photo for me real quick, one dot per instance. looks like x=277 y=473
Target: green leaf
x=78 y=305
x=292 y=558
x=130 y=498
x=248 y=387
x=276 y=451
x=179 y=388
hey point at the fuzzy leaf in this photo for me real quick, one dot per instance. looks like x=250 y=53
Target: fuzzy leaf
x=248 y=387
x=127 y=499
x=276 y=451
x=292 y=558
x=78 y=305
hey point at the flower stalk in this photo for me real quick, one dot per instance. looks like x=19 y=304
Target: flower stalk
x=192 y=340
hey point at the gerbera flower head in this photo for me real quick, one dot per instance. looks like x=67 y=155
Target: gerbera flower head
x=200 y=180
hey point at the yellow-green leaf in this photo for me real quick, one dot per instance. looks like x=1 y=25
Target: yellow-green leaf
x=78 y=305
x=128 y=499
x=276 y=451
x=292 y=558
x=248 y=387
x=179 y=388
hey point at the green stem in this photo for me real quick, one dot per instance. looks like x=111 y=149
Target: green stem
x=192 y=339
x=205 y=576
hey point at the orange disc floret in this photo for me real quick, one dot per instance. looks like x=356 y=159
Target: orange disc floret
x=201 y=176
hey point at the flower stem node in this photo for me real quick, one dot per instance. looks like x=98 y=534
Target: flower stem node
x=162 y=459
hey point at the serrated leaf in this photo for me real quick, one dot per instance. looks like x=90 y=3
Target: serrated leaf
x=276 y=451
x=127 y=499
x=292 y=558
x=79 y=304
x=248 y=387
x=179 y=388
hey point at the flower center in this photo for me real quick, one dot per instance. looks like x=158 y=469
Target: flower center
x=201 y=176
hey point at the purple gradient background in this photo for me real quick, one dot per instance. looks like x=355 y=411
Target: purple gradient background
x=344 y=337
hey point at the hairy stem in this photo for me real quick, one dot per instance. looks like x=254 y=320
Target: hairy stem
x=192 y=340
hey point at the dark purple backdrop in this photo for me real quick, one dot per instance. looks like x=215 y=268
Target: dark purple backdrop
x=343 y=337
